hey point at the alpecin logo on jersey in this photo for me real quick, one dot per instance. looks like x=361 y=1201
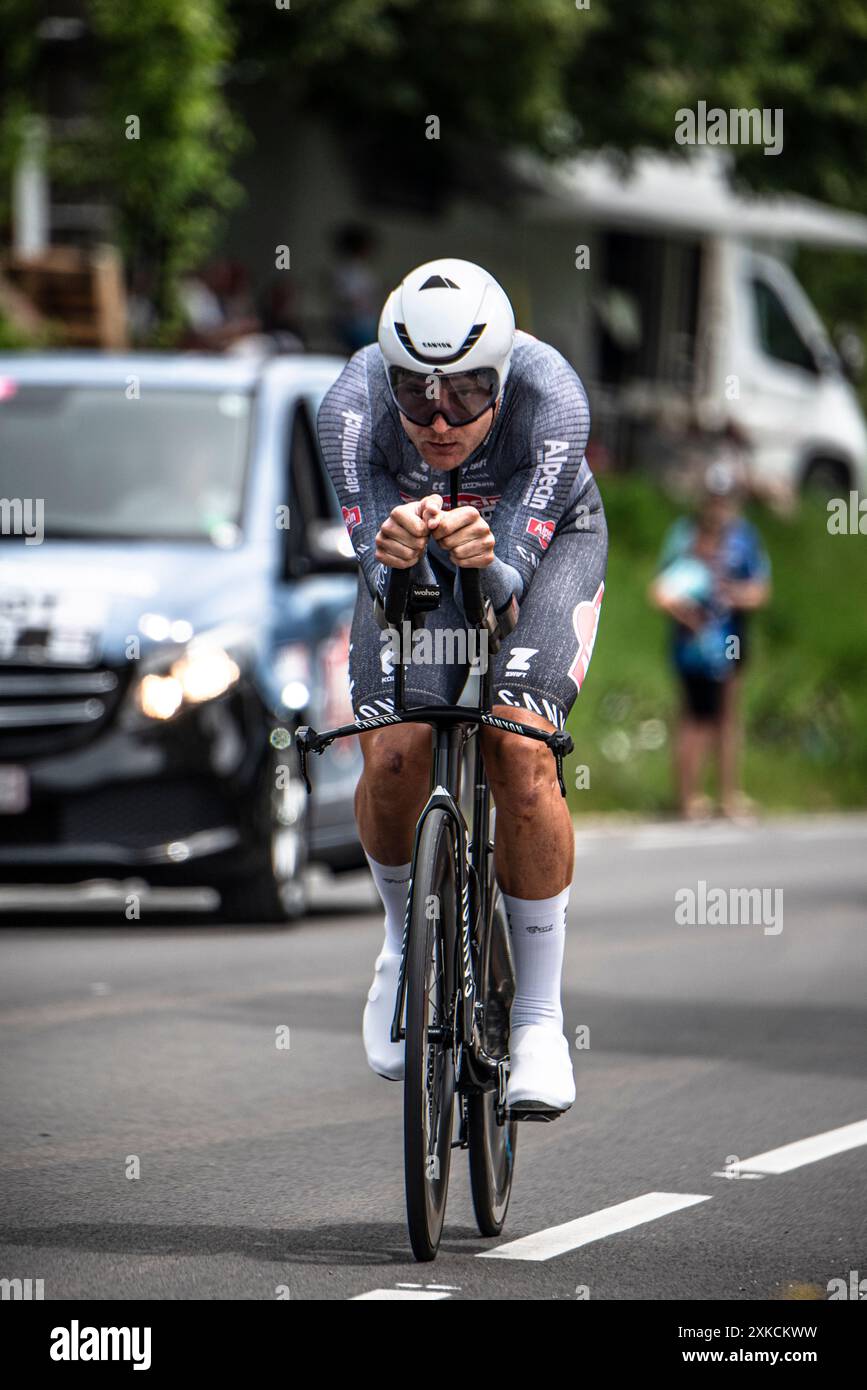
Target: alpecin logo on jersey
x=483 y=504
x=351 y=518
x=542 y=530
x=548 y=470
x=585 y=620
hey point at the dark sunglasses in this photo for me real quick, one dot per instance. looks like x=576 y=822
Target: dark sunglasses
x=460 y=397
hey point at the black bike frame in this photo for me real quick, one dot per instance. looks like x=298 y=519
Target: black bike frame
x=472 y=875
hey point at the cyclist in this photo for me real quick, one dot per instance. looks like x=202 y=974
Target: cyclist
x=451 y=383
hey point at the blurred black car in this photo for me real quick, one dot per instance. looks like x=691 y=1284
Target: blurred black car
x=176 y=589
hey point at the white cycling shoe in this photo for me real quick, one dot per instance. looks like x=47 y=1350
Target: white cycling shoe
x=540 y=1071
x=383 y=1056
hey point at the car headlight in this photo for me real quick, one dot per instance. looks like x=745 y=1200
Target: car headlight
x=159 y=697
x=203 y=672
x=293 y=675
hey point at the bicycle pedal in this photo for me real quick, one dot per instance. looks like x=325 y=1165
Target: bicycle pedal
x=542 y=1114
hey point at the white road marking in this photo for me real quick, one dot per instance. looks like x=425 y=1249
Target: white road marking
x=454 y=1288
x=803 y=1151
x=394 y=1295
x=731 y=1174
x=557 y=1240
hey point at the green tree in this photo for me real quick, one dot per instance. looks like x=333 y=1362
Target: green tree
x=557 y=78
x=807 y=58
x=496 y=73
x=17 y=55
x=163 y=67
x=154 y=135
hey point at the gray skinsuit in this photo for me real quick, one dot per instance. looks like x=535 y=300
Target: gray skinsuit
x=530 y=480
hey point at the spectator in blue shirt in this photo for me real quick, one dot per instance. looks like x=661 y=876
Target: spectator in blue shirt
x=713 y=573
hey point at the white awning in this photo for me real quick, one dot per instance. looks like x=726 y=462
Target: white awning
x=692 y=195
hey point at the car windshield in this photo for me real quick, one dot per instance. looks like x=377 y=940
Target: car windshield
x=106 y=463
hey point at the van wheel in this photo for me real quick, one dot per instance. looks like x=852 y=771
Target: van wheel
x=274 y=890
x=827 y=478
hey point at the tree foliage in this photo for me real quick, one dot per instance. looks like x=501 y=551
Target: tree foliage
x=17 y=50
x=153 y=136
x=544 y=74
x=163 y=63
x=558 y=78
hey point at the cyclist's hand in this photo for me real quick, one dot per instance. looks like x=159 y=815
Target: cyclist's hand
x=431 y=509
x=402 y=538
x=467 y=538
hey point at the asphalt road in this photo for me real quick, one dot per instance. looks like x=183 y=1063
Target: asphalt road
x=264 y=1168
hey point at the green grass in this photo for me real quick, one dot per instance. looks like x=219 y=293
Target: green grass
x=805 y=681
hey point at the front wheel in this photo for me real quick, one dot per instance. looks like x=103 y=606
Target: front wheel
x=429 y=1086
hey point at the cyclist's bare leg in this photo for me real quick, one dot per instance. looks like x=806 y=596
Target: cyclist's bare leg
x=392 y=790
x=535 y=843
x=534 y=859
x=390 y=795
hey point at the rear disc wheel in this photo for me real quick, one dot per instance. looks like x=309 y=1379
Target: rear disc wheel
x=492 y=1146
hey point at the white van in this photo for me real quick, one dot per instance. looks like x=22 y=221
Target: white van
x=686 y=328
x=772 y=375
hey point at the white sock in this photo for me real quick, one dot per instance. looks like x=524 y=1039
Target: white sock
x=538 y=930
x=392 y=885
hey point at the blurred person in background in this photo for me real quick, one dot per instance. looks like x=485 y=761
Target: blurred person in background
x=355 y=287
x=713 y=572
x=217 y=306
x=141 y=313
x=279 y=316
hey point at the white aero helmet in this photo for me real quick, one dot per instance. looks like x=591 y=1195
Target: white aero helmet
x=446 y=334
